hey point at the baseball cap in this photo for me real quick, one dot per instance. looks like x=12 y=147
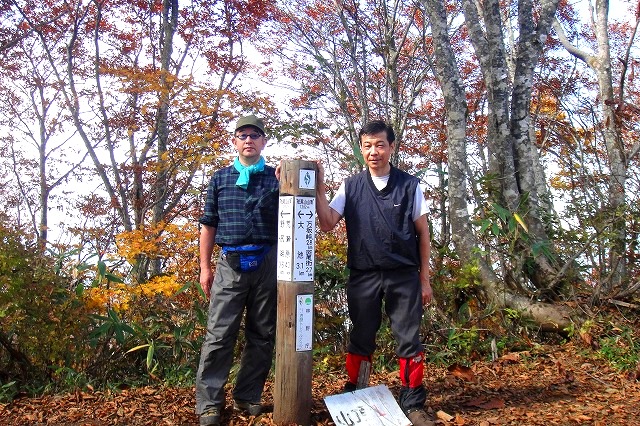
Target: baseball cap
x=250 y=120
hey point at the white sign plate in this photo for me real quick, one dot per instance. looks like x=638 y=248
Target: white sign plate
x=366 y=407
x=307 y=179
x=304 y=239
x=285 y=238
x=304 y=322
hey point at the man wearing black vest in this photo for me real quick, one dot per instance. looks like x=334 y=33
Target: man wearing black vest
x=388 y=259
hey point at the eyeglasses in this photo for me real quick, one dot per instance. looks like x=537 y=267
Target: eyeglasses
x=253 y=136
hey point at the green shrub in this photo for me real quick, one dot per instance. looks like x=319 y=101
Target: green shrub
x=620 y=347
x=43 y=323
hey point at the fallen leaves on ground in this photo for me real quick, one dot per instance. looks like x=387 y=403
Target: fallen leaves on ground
x=555 y=386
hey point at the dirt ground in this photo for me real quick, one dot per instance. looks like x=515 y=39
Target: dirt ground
x=557 y=385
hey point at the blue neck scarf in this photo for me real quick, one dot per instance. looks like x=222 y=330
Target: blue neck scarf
x=247 y=171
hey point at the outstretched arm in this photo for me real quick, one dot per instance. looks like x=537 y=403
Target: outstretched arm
x=327 y=217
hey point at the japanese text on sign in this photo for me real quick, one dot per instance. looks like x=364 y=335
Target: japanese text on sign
x=372 y=406
x=296 y=238
x=304 y=322
x=285 y=238
x=304 y=239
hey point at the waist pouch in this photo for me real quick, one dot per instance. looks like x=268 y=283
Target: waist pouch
x=247 y=258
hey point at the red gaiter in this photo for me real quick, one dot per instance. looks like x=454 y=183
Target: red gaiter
x=412 y=371
x=353 y=365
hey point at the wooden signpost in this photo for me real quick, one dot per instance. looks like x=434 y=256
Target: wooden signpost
x=292 y=399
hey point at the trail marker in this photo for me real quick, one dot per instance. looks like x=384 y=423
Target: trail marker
x=292 y=399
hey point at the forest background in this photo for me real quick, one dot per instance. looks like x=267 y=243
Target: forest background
x=520 y=117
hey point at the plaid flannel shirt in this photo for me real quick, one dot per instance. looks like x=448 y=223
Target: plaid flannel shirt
x=242 y=216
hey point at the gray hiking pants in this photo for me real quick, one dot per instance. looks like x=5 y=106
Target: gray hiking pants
x=233 y=294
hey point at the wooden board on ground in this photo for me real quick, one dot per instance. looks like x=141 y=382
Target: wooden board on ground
x=369 y=406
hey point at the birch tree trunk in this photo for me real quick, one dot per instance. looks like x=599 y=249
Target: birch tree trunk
x=170 y=25
x=547 y=316
x=513 y=157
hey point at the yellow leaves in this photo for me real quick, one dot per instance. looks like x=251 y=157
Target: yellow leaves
x=156 y=241
x=557 y=182
x=119 y=296
x=160 y=241
x=136 y=243
x=331 y=244
x=160 y=284
x=164 y=157
x=116 y=296
x=564 y=179
x=518 y=219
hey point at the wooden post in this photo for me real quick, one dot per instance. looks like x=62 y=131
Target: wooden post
x=363 y=375
x=292 y=399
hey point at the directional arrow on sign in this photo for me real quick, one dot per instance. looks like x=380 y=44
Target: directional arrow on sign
x=301 y=213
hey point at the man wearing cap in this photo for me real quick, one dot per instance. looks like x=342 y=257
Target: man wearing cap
x=240 y=215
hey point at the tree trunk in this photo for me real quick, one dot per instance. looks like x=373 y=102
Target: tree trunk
x=170 y=24
x=513 y=157
x=546 y=316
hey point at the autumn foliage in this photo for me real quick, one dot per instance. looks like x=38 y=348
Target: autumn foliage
x=115 y=113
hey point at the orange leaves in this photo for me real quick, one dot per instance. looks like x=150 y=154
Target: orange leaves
x=158 y=241
x=137 y=243
x=136 y=80
x=119 y=296
x=548 y=106
x=462 y=372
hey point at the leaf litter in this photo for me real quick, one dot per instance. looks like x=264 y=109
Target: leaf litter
x=556 y=386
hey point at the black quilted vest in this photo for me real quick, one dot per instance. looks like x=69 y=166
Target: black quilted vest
x=380 y=230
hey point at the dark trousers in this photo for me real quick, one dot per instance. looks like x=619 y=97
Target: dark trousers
x=401 y=291
x=233 y=294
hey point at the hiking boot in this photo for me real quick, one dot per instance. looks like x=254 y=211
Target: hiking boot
x=418 y=417
x=349 y=387
x=251 y=408
x=210 y=417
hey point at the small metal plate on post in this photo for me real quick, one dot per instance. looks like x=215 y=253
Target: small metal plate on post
x=304 y=322
x=367 y=407
x=307 y=179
